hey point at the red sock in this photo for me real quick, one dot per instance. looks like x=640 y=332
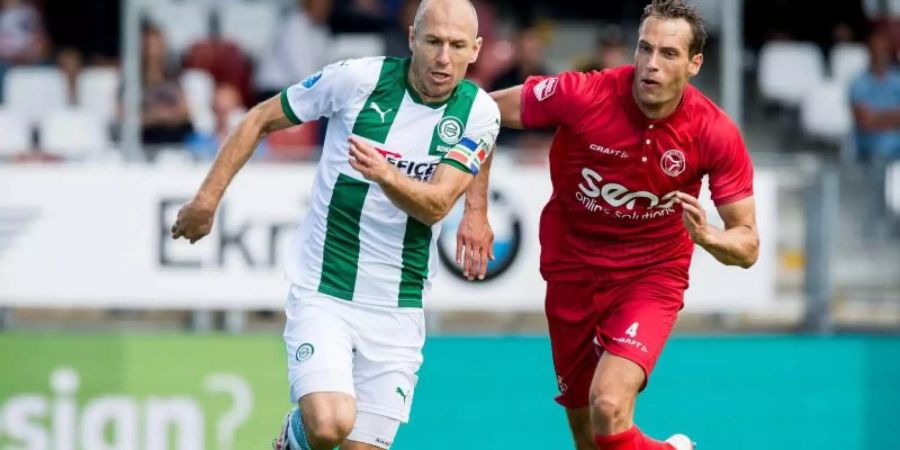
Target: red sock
x=632 y=439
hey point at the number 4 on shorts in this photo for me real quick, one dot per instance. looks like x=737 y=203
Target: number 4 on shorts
x=632 y=330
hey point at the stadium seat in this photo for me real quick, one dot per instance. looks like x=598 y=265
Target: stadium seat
x=848 y=61
x=198 y=87
x=182 y=22
x=73 y=134
x=825 y=113
x=251 y=25
x=98 y=91
x=34 y=91
x=15 y=135
x=356 y=45
x=788 y=70
x=892 y=188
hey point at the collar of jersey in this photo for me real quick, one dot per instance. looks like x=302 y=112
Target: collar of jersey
x=415 y=95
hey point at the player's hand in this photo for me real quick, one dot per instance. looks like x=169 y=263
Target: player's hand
x=195 y=220
x=368 y=161
x=694 y=217
x=474 y=244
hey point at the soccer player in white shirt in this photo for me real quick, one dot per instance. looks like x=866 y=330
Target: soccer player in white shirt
x=405 y=139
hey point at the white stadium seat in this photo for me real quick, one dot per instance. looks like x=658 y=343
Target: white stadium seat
x=848 y=61
x=825 y=113
x=98 y=91
x=73 y=133
x=34 y=91
x=251 y=25
x=892 y=188
x=199 y=87
x=787 y=70
x=356 y=45
x=15 y=135
x=182 y=23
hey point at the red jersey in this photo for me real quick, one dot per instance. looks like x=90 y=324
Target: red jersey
x=615 y=172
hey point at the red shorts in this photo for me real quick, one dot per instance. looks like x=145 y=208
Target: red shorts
x=631 y=318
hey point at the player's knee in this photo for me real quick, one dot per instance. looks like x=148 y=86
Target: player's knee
x=328 y=423
x=609 y=405
x=329 y=430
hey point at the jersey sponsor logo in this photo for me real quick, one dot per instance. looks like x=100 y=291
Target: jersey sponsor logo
x=311 y=80
x=305 y=351
x=610 y=198
x=450 y=130
x=608 y=151
x=546 y=88
x=673 y=162
x=377 y=109
x=421 y=171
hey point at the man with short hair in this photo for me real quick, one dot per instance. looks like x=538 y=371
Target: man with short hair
x=631 y=147
x=405 y=139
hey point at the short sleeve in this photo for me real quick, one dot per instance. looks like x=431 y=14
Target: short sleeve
x=478 y=139
x=548 y=101
x=322 y=93
x=729 y=166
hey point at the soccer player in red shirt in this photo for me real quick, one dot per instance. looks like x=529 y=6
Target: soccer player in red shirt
x=631 y=147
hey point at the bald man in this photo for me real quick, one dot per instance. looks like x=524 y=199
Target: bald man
x=405 y=139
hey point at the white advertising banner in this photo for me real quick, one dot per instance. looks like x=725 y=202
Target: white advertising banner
x=98 y=236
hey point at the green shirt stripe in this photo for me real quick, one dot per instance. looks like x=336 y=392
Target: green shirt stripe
x=416 y=244
x=341 y=256
x=378 y=112
x=288 y=111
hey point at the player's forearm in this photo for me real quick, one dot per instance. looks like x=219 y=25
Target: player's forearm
x=476 y=195
x=234 y=153
x=428 y=203
x=737 y=246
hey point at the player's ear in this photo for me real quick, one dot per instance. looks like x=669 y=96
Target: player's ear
x=477 y=50
x=412 y=37
x=694 y=65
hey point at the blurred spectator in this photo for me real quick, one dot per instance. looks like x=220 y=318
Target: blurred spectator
x=92 y=27
x=22 y=36
x=610 y=50
x=359 y=16
x=224 y=61
x=528 y=60
x=288 y=61
x=875 y=99
x=228 y=110
x=70 y=63
x=396 y=39
x=164 y=112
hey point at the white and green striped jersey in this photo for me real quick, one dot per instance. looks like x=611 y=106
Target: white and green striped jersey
x=354 y=244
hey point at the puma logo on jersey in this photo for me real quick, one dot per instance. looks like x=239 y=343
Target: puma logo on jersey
x=400 y=392
x=377 y=109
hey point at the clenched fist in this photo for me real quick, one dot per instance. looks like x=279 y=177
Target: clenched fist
x=195 y=220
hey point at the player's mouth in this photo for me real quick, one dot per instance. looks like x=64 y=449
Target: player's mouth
x=439 y=77
x=647 y=82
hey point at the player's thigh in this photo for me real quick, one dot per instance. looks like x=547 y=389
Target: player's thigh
x=388 y=358
x=319 y=346
x=640 y=319
x=572 y=318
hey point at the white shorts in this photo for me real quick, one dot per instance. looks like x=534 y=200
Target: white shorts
x=369 y=352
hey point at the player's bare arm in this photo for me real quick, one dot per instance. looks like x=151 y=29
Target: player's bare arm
x=195 y=218
x=475 y=239
x=738 y=243
x=510 y=102
x=426 y=202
